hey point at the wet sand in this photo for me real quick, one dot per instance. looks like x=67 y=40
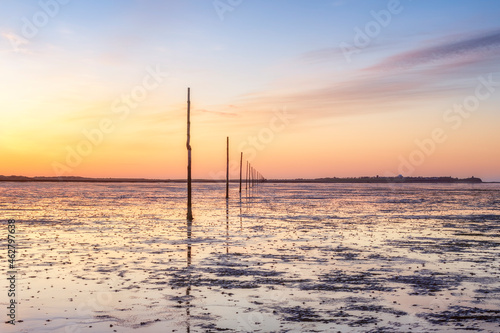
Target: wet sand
x=287 y=258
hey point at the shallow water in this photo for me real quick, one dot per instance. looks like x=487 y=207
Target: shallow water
x=285 y=258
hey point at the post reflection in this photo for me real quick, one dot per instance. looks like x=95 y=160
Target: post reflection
x=188 y=288
x=227 y=225
x=189 y=232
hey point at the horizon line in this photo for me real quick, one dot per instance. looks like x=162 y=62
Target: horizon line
x=370 y=179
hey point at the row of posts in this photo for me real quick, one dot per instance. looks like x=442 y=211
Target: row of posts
x=253 y=176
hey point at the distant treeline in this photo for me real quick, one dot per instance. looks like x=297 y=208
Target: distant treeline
x=399 y=179
x=377 y=179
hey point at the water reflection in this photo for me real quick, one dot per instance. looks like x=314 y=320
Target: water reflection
x=227 y=225
x=241 y=216
x=189 y=233
x=308 y=251
x=188 y=288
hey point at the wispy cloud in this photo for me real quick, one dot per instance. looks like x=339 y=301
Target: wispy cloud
x=484 y=43
x=364 y=93
x=321 y=55
x=399 y=81
x=17 y=42
x=332 y=54
x=219 y=113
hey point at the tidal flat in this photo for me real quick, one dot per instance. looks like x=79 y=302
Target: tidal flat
x=279 y=258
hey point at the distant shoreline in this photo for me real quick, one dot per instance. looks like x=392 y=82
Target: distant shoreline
x=358 y=180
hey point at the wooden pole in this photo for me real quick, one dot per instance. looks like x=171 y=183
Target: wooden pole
x=227 y=169
x=241 y=166
x=251 y=176
x=246 y=177
x=188 y=146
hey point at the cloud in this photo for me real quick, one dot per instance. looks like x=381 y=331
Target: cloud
x=363 y=93
x=17 y=42
x=331 y=54
x=321 y=55
x=434 y=73
x=481 y=44
x=224 y=114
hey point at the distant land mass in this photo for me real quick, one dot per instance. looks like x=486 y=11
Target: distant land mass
x=377 y=179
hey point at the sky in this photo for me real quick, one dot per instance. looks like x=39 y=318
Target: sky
x=305 y=89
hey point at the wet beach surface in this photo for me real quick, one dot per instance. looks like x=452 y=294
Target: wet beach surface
x=284 y=258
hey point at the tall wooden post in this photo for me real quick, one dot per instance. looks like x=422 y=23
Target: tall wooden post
x=188 y=146
x=241 y=166
x=227 y=169
x=246 y=178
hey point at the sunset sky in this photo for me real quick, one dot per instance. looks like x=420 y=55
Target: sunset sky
x=304 y=88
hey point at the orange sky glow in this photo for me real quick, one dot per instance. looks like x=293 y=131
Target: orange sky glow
x=110 y=101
